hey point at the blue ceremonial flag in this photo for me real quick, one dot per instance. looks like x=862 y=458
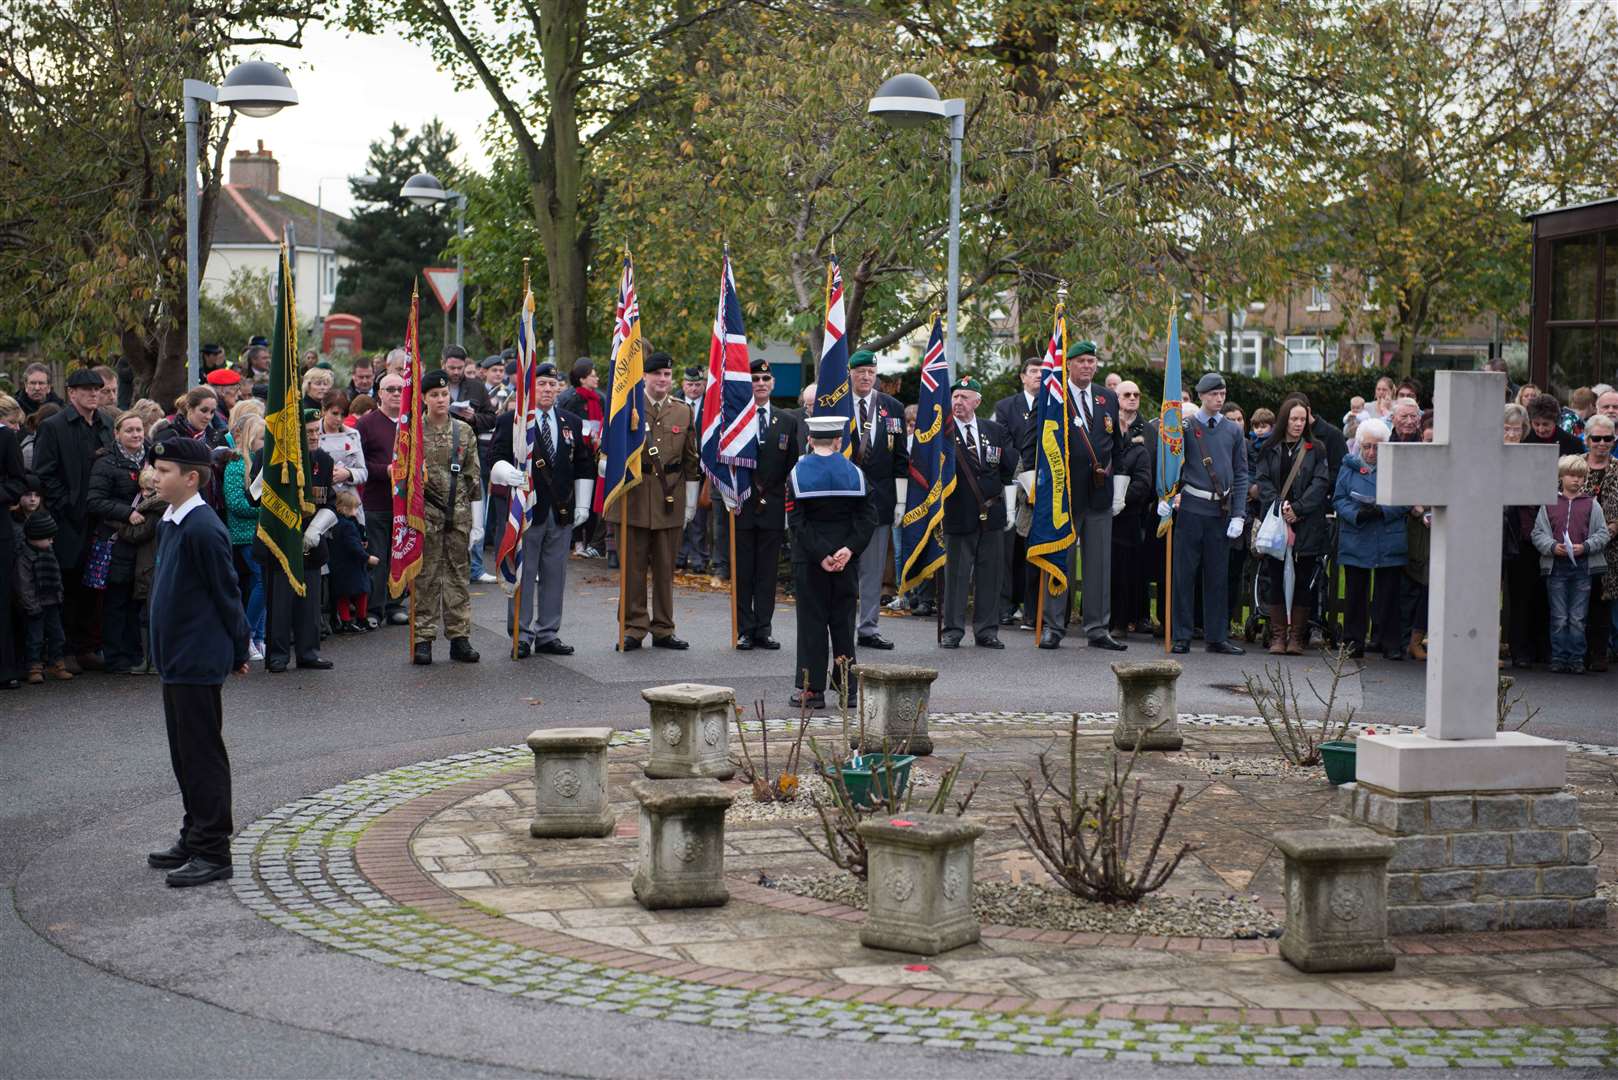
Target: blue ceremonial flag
x=729 y=415
x=1171 y=429
x=1051 y=533
x=833 y=394
x=626 y=410
x=524 y=437
x=932 y=468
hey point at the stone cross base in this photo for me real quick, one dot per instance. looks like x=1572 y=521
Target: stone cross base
x=570 y=782
x=681 y=861
x=1337 y=912
x=1147 y=706
x=1421 y=765
x=690 y=731
x=893 y=708
x=1488 y=860
x=919 y=885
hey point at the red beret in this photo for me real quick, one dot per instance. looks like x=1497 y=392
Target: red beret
x=224 y=377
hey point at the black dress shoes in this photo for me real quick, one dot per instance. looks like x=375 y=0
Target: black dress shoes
x=924 y=611
x=460 y=649
x=424 y=653
x=949 y=641
x=275 y=667
x=554 y=647
x=1050 y=640
x=198 y=871
x=172 y=859
x=744 y=644
x=398 y=618
x=805 y=699
x=1107 y=641
x=991 y=643
x=766 y=643
x=629 y=644
x=1226 y=648
x=670 y=642
x=1008 y=620
x=316 y=663
x=524 y=650
x=1181 y=647
x=876 y=641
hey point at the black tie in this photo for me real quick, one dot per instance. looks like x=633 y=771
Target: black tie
x=545 y=443
x=972 y=442
x=763 y=421
x=1213 y=421
x=865 y=421
x=1084 y=405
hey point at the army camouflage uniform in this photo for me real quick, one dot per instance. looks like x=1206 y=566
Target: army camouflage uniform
x=446 y=563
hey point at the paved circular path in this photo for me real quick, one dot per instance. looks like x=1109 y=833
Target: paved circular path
x=338 y=868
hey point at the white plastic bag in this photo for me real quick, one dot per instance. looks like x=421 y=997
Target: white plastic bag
x=1271 y=538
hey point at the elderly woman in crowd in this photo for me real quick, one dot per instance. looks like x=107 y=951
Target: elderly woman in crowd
x=1291 y=473
x=317 y=383
x=1545 y=426
x=1602 y=485
x=1527 y=609
x=1371 y=548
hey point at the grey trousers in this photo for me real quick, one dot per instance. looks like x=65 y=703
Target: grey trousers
x=544 y=580
x=973 y=562
x=872 y=561
x=1094 y=531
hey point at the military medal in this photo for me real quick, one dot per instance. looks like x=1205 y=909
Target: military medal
x=1106 y=422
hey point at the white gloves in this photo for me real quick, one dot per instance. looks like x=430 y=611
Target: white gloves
x=601 y=465
x=901 y=488
x=505 y=474
x=319 y=525
x=1120 y=489
x=583 y=494
x=731 y=505
x=1025 y=479
x=476 y=535
x=691 y=501
x=1234 y=529
x=1010 y=496
x=1164 y=509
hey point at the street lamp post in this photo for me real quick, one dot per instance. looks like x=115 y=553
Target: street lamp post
x=910 y=101
x=254 y=88
x=320 y=238
x=423 y=189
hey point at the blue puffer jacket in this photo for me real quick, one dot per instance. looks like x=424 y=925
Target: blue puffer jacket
x=1379 y=542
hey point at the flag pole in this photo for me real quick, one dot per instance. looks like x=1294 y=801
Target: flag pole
x=1039 y=608
x=734 y=517
x=623 y=566
x=1168 y=584
x=411 y=647
x=516 y=596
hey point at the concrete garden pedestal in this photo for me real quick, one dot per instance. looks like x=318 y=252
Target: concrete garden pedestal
x=690 y=731
x=893 y=706
x=919 y=884
x=570 y=782
x=1337 y=915
x=1146 y=706
x=681 y=862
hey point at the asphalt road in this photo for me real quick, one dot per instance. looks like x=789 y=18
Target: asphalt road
x=109 y=973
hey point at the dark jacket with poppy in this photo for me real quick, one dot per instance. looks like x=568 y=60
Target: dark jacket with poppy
x=885 y=457
x=1310 y=494
x=199 y=633
x=1087 y=448
x=1134 y=460
x=114 y=491
x=64 y=454
x=350 y=574
x=553 y=478
x=993 y=467
x=778 y=450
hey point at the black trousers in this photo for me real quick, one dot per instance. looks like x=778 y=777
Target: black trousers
x=195 y=717
x=757 y=553
x=379 y=542
x=1528 y=609
x=81 y=613
x=1201 y=552
x=1371 y=603
x=1014 y=591
x=290 y=620
x=120 y=627
x=1413 y=604
x=827 y=604
x=1597 y=623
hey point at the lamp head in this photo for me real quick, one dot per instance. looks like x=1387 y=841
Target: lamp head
x=423 y=189
x=907 y=101
x=257 y=88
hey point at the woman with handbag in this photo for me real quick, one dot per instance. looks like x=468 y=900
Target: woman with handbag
x=1294 y=490
x=111 y=499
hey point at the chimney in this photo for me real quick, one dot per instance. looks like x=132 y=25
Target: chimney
x=256 y=169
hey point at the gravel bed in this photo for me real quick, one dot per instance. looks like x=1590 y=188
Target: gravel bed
x=745 y=808
x=1225 y=763
x=1039 y=908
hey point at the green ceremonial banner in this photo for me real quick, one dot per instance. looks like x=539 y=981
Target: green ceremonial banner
x=285 y=498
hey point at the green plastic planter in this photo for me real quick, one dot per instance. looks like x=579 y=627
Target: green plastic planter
x=1339 y=761
x=882 y=773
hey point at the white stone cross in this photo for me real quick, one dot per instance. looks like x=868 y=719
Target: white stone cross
x=1467 y=475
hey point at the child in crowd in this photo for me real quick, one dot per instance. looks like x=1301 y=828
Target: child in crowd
x=1566 y=534
x=38 y=586
x=1356 y=405
x=350 y=565
x=143 y=538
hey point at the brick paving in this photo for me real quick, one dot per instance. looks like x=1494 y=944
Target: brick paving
x=372 y=867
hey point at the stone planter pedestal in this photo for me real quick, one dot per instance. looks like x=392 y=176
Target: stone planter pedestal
x=570 y=782
x=893 y=704
x=1337 y=900
x=690 y=731
x=919 y=887
x=1146 y=699
x=682 y=844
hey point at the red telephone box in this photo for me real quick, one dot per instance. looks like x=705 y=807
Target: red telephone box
x=341 y=334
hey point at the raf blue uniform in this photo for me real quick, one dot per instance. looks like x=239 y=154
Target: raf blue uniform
x=1213 y=492
x=199 y=636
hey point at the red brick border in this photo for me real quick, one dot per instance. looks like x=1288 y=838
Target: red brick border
x=383 y=856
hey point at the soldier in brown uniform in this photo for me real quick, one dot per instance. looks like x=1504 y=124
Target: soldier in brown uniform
x=451 y=449
x=659 y=507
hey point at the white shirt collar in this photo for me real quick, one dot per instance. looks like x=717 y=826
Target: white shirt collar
x=176 y=514
x=1030 y=398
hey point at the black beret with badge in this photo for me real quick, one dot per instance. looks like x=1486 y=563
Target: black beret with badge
x=435 y=379
x=759 y=366
x=658 y=361
x=182 y=451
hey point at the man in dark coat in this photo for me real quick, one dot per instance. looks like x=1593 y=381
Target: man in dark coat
x=762 y=519
x=976 y=517
x=64 y=453
x=36 y=389
x=199 y=635
x=879 y=451
x=1018 y=414
x=468 y=396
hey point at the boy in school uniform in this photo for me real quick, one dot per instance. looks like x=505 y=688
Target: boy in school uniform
x=198 y=636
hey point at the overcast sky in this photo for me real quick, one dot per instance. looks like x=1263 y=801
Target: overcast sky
x=350 y=90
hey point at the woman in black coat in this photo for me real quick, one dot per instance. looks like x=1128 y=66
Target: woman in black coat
x=1303 y=508
x=13 y=483
x=1131 y=565
x=113 y=493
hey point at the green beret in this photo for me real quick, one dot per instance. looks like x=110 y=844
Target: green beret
x=434 y=380
x=863 y=358
x=323 y=365
x=311 y=415
x=966 y=382
x=1081 y=348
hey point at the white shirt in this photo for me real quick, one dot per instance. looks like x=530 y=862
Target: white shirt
x=1030 y=398
x=1083 y=403
x=176 y=514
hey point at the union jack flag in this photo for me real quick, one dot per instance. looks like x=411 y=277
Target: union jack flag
x=1052 y=531
x=729 y=416
x=932 y=468
x=524 y=437
x=833 y=394
x=625 y=434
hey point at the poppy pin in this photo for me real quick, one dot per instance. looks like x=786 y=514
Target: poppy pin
x=675 y=430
